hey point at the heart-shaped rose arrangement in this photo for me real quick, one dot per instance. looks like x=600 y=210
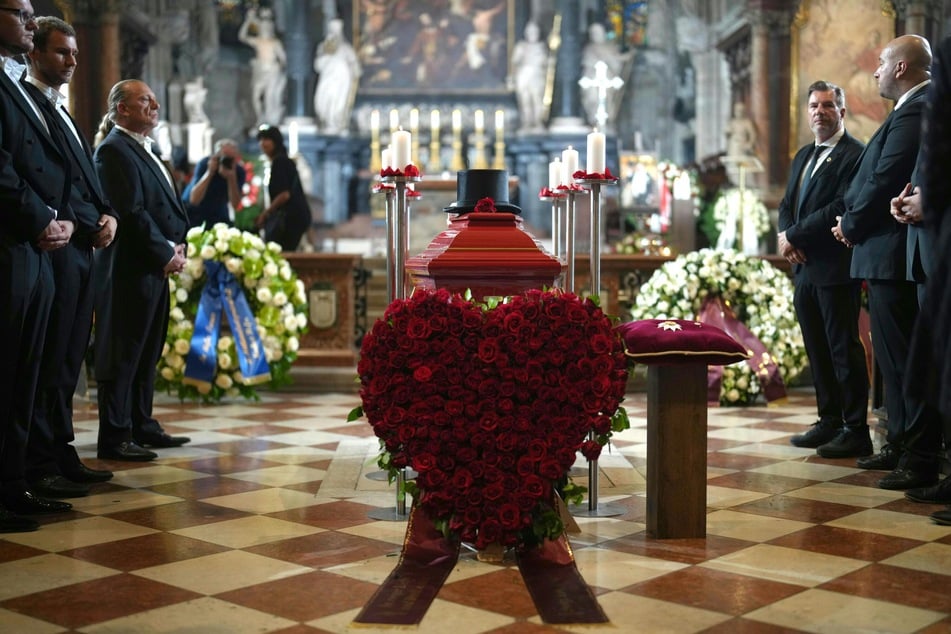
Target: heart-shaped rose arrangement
x=490 y=403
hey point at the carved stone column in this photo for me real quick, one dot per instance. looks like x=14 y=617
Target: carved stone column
x=300 y=63
x=566 y=102
x=921 y=17
x=97 y=36
x=770 y=85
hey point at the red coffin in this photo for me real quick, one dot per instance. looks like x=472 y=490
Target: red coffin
x=489 y=254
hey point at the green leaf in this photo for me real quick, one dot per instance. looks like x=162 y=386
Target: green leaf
x=355 y=413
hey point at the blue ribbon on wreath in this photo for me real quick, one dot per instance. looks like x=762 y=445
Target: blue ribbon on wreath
x=222 y=293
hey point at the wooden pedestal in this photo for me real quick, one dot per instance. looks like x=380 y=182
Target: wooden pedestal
x=677 y=451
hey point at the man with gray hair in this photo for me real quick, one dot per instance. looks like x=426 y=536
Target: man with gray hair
x=215 y=186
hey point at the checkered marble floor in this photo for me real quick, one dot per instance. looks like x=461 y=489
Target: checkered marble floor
x=260 y=525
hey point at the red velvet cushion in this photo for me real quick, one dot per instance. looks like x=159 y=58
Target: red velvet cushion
x=677 y=341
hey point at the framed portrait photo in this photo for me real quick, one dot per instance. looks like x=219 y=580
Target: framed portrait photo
x=433 y=46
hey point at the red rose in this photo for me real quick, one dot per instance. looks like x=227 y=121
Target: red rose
x=510 y=517
x=590 y=449
x=485 y=206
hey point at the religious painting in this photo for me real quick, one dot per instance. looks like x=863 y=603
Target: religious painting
x=826 y=47
x=433 y=46
x=638 y=182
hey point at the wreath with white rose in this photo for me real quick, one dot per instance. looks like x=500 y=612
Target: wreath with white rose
x=759 y=294
x=275 y=295
x=738 y=206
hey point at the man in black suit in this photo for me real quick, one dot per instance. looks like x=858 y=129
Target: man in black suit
x=879 y=254
x=34 y=218
x=827 y=299
x=132 y=314
x=53 y=466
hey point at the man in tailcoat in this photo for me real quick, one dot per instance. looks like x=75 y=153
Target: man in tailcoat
x=34 y=218
x=879 y=255
x=132 y=313
x=53 y=466
x=827 y=299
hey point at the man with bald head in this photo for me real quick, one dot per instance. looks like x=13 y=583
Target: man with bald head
x=879 y=259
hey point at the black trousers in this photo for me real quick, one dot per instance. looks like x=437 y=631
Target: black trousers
x=893 y=309
x=26 y=295
x=67 y=339
x=828 y=317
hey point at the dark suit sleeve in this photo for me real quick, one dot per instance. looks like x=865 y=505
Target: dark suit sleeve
x=122 y=184
x=936 y=142
x=868 y=210
x=787 y=214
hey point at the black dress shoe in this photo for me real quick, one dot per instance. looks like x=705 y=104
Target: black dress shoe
x=942 y=517
x=128 y=451
x=819 y=434
x=10 y=523
x=81 y=473
x=907 y=479
x=848 y=443
x=28 y=503
x=160 y=440
x=937 y=494
x=885 y=460
x=56 y=486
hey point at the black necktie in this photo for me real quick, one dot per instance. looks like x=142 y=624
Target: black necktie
x=807 y=175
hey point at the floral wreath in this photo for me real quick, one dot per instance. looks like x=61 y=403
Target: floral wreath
x=737 y=205
x=760 y=294
x=275 y=295
x=490 y=404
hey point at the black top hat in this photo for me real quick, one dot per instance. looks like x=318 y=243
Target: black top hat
x=474 y=185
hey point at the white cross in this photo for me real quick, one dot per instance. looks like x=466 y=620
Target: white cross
x=601 y=83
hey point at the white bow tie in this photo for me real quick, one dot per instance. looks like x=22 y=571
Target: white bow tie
x=13 y=68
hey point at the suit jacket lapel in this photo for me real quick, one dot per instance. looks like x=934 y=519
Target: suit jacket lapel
x=152 y=165
x=28 y=112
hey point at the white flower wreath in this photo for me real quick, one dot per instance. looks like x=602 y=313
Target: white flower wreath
x=736 y=214
x=759 y=293
x=274 y=293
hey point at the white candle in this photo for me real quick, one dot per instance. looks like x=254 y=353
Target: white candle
x=479 y=121
x=394 y=120
x=375 y=122
x=456 y=121
x=414 y=121
x=402 y=142
x=554 y=174
x=293 y=135
x=499 y=125
x=595 y=159
x=386 y=158
x=434 y=123
x=569 y=162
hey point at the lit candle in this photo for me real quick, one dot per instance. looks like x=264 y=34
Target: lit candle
x=554 y=174
x=394 y=120
x=292 y=134
x=386 y=157
x=434 y=123
x=456 y=121
x=414 y=121
x=375 y=122
x=595 y=159
x=479 y=121
x=569 y=162
x=499 y=125
x=402 y=141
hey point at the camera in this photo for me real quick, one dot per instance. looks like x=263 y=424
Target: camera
x=227 y=161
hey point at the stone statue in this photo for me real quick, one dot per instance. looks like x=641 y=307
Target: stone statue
x=600 y=49
x=741 y=134
x=339 y=69
x=194 y=101
x=530 y=61
x=268 y=78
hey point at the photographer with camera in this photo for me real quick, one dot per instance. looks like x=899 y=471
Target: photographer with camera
x=215 y=189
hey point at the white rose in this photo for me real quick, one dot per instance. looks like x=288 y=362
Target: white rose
x=171 y=285
x=224 y=360
x=224 y=343
x=185 y=280
x=252 y=254
x=191 y=250
x=233 y=392
x=274 y=247
x=182 y=346
x=166 y=349
x=223 y=381
x=742 y=383
x=733 y=396
x=280 y=298
x=176 y=314
x=181 y=295
x=195 y=268
x=290 y=323
x=285 y=272
x=233 y=265
x=221 y=246
x=293 y=344
x=208 y=252
x=264 y=295
x=250 y=282
x=270 y=269
x=175 y=361
x=233 y=232
x=301 y=320
x=167 y=373
x=194 y=232
x=204 y=388
x=238 y=377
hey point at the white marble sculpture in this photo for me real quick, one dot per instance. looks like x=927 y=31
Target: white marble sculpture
x=530 y=64
x=268 y=78
x=339 y=72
